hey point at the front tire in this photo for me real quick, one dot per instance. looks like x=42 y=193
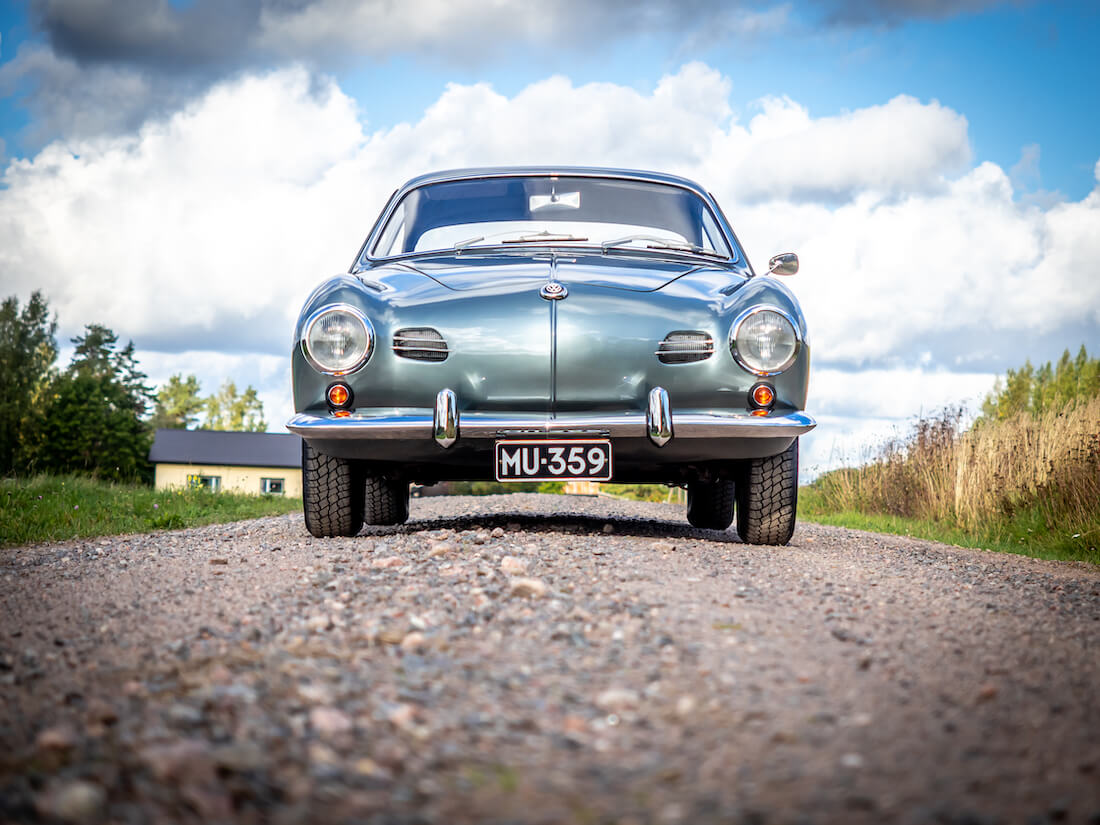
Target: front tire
x=710 y=504
x=387 y=501
x=332 y=494
x=767 y=498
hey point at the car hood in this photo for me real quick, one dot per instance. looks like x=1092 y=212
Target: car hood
x=480 y=273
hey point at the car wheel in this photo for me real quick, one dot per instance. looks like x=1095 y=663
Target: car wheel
x=387 y=501
x=767 y=498
x=332 y=495
x=710 y=504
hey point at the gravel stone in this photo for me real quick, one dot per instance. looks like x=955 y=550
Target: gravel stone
x=76 y=801
x=527 y=588
x=512 y=566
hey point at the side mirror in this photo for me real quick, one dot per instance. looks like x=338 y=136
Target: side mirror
x=786 y=263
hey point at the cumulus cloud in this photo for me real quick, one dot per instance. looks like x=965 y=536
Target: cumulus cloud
x=203 y=231
x=66 y=98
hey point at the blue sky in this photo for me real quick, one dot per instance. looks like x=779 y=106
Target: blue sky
x=184 y=172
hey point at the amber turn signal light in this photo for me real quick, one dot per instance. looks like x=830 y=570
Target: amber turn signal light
x=339 y=395
x=763 y=396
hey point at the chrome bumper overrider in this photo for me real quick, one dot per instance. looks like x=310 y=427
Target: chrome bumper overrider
x=447 y=426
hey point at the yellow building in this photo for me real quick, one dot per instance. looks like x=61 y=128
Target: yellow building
x=256 y=463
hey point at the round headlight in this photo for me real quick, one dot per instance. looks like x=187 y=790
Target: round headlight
x=764 y=340
x=338 y=339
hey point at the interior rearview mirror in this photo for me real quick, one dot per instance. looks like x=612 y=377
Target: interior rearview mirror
x=785 y=263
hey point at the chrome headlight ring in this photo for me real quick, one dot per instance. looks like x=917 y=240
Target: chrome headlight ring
x=344 y=362
x=743 y=358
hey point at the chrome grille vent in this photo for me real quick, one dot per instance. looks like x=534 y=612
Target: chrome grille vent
x=685 y=347
x=420 y=344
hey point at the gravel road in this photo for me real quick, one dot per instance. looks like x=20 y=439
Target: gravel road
x=543 y=659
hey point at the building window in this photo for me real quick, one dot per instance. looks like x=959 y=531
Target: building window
x=211 y=483
x=272 y=486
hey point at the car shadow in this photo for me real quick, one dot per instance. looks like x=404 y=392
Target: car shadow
x=565 y=524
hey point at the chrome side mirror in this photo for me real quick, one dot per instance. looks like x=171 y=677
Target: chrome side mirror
x=785 y=263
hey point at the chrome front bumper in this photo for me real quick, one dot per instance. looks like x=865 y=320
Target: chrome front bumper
x=447 y=426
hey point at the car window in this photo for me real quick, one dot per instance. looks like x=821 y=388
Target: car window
x=536 y=209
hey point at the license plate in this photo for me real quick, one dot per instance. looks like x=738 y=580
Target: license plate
x=553 y=460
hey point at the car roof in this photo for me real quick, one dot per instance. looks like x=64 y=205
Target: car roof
x=575 y=171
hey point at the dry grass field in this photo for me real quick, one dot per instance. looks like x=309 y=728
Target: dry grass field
x=1029 y=480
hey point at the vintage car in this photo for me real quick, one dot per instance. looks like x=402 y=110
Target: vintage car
x=525 y=324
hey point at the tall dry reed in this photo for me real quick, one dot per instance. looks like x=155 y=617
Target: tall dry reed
x=978 y=477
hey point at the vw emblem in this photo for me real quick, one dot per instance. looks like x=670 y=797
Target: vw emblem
x=553 y=291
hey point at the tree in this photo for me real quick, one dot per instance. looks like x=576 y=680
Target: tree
x=226 y=410
x=178 y=404
x=1050 y=387
x=28 y=349
x=93 y=421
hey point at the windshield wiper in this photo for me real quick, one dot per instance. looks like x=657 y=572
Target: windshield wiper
x=653 y=242
x=543 y=236
x=468 y=242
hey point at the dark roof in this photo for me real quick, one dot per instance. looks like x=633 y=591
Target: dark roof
x=229 y=448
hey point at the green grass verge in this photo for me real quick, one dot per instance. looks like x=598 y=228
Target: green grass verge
x=1025 y=533
x=53 y=508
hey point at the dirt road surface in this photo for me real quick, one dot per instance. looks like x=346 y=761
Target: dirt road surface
x=541 y=659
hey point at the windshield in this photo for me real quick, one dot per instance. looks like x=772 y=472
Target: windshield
x=607 y=213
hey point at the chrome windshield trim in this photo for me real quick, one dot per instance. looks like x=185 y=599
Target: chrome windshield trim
x=363 y=424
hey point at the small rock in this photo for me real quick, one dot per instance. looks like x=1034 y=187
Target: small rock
x=183 y=715
x=617 y=699
x=59 y=738
x=685 y=705
x=184 y=761
x=662 y=547
x=843 y=634
x=75 y=801
x=219 y=561
x=609 y=528
x=387 y=562
x=481 y=538
x=851 y=760
x=413 y=642
x=328 y=721
x=497 y=532
x=239 y=757
x=318 y=623
x=390 y=636
x=442 y=548
x=528 y=588
x=512 y=566
x=314 y=693
x=402 y=716
x=987 y=692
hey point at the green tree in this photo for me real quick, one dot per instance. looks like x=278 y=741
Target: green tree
x=28 y=349
x=1050 y=387
x=93 y=421
x=226 y=410
x=1011 y=396
x=178 y=404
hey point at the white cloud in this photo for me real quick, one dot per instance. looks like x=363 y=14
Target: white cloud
x=901 y=146
x=203 y=231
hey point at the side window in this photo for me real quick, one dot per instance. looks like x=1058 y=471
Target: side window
x=392 y=241
x=272 y=486
x=211 y=483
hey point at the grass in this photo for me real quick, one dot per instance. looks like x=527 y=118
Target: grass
x=1028 y=484
x=54 y=508
x=1026 y=534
